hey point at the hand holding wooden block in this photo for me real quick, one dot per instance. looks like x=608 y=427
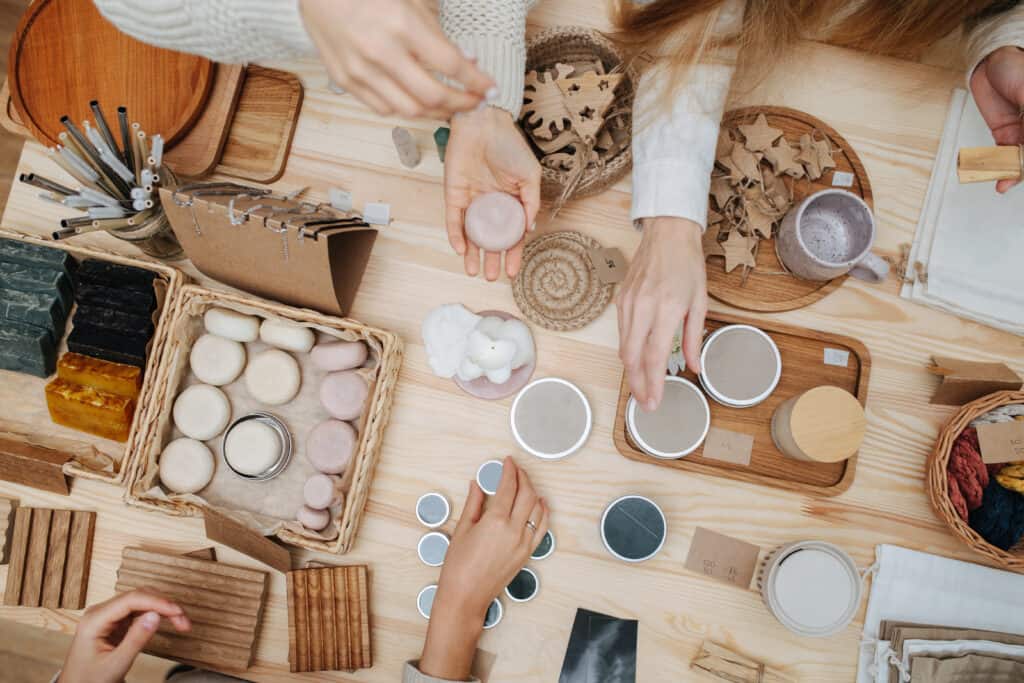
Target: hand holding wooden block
x=983 y=164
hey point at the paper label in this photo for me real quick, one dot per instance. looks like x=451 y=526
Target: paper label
x=722 y=557
x=837 y=357
x=1002 y=441
x=727 y=446
x=842 y=179
x=610 y=265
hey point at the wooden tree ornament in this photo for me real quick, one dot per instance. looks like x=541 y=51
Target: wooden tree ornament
x=544 y=111
x=588 y=99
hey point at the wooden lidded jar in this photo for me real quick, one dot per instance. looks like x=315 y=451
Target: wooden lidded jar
x=823 y=424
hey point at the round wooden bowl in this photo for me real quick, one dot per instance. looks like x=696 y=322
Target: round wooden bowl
x=937 y=483
x=566 y=44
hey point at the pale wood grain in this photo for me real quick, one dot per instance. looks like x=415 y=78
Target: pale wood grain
x=890 y=111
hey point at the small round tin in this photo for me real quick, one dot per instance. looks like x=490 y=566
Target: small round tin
x=494 y=614
x=285 y=436
x=489 y=476
x=677 y=427
x=432 y=548
x=433 y=510
x=551 y=418
x=524 y=586
x=740 y=366
x=545 y=547
x=633 y=528
x=425 y=600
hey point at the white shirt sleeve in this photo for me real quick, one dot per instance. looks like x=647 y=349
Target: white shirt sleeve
x=674 y=147
x=1002 y=30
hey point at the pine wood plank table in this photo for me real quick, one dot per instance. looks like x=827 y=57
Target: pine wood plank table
x=891 y=111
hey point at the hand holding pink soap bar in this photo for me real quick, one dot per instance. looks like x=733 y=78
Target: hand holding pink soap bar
x=495 y=221
x=330 y=446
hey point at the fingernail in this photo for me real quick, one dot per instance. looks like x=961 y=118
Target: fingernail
x=492 y=93
x=150 y=620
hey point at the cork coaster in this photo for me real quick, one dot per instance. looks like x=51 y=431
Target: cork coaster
x=557 y=286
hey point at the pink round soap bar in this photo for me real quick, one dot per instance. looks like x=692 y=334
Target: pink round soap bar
x=330 y=446
x=314 y=520
x=323 y=491
x=495 y=221
x=340 y=355
x=343 y=394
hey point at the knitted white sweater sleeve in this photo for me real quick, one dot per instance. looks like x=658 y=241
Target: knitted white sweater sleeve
x=494 y=31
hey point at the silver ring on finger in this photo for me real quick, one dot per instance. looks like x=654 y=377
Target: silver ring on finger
x=533 y=527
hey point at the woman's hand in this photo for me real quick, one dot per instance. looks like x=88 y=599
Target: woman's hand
x=666 y=284
x=488 y=549
x=385 y=52
x=998 y=87
x=111 y=634
x=487 y=153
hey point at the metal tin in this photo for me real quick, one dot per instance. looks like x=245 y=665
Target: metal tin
x=433 y=510
x=648 y=528
x=570 y=448
x=432 y=548
x=488 y=476
x=524 y=586
x=633 y=406
x=283 y=434
x=716 y=394
x=425 y=600
x=545 y=547
x=494 y=614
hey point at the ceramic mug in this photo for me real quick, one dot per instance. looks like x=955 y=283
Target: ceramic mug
x=830 y=234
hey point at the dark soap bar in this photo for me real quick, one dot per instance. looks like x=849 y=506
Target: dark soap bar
x=27 y=278
x=115 y=275
x=113 y=320
x=130 y=300
x=35 y=308
x=27 y=349
x=35 y=254
x=106 y=345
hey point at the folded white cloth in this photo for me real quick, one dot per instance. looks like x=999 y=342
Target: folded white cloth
x=956 y=648
x=920 y=588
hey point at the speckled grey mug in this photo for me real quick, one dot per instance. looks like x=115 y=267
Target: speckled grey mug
x=830 y=234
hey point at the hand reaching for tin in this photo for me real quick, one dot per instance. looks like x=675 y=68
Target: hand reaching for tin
x=666 y=284
x=386 y=52
x=487 y=153
x=111 y=634
x=998 y=88
x=487 y=549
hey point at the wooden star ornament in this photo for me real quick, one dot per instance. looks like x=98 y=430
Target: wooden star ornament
x=739 y=251
x=760 y=135
x=782 y=157
x=712 y=247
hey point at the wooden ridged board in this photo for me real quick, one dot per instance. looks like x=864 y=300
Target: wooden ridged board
x=329 y=619
x=8 y=506
x=223 y=602
x=803 y=368
x=50 y=554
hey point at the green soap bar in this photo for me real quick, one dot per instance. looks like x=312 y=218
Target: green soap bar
x=36 y=255
x=35 y=308
x=114 y=275
x=26 y=278
x=27 y=349
x=441 y=136
x=113 y=320
x=128 y=300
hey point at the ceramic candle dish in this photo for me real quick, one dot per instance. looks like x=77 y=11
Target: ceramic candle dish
x=633 y=528
x=551 y=418
x=741 y=366
x=677 y=427
x=285 y=443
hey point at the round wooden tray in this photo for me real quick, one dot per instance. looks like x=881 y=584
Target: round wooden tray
x=764 y=289
x=65 y=54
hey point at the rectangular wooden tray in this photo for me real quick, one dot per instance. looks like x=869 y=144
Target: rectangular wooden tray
x=803 y=367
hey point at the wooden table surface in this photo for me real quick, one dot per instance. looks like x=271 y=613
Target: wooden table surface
x=891 y=111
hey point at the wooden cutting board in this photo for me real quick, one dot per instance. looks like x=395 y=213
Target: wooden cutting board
x=65 y=54
x=199 y=152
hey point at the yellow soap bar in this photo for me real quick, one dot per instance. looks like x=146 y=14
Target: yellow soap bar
x=90 y=410
x=115 y=378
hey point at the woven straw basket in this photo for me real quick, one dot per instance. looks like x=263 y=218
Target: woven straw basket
x=171 y=282
x=572 y=44
x=938 y=462
x=191 y=303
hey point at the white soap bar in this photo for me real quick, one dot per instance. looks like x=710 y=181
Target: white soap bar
x=323 y=491
x=252 y=447
x=216 y=360
x=186 y=466
x=340 y=355
x=232 y=324
x=287 y=336
x=314 y=520
x=202 y=412
x=273 y=377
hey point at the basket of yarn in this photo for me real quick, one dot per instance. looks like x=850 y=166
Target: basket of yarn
x=982 y=504
x=577 y=111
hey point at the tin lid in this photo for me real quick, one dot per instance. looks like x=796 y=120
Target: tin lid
x=813 y=588
x=633 y=528
x=425 y=600
x=494 y=614
x=545 y=547
x=279 y=429
x=551 y=418
x=524 y=586
x=489 y=476
x=432 y=548
x=433 y=510
x=677 y=427
x=740 y=365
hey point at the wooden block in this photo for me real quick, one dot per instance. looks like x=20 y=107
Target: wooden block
x=223 y=529
x=328 y=619
x=8 y=507
x=53 y=578
x=35 y=561
x=35 y=466
x=79 y=555
x=983 y=164
x=224 y=603
x=316 y=637
x=344 y=645
x=19 y=553
x=209 y=554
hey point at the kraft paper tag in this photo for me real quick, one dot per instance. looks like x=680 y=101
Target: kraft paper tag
x=1001 y=442
x=610 y=265
x=722 y=557
x=727 y=446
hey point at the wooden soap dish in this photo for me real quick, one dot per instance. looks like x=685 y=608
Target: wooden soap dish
x=803 y=354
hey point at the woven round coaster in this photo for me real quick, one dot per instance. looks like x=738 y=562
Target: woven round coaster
x=557 y=286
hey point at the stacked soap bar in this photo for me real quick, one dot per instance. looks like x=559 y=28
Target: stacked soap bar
x=94 y=396
x=114 y=320
x=35 y=300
